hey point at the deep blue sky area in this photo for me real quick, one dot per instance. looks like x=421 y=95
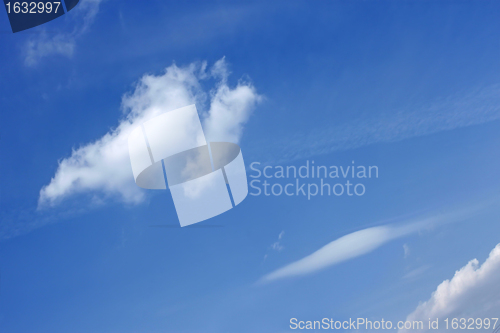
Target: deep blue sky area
x=412 y=87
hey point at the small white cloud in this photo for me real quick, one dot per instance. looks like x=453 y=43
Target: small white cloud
x=471 y=293
x=277 y=246
x=406 y=250
x=103 y=166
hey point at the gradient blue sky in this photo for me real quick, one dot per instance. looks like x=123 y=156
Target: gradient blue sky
x=410 y=86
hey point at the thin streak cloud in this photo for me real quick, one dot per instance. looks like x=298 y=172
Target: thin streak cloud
x=475 y=107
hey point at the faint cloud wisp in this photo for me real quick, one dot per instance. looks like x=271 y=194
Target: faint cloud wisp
x=63 y=43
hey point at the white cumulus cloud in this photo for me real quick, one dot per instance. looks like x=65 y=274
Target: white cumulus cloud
x=229 y=108
x=103 y=167
x=471 y=293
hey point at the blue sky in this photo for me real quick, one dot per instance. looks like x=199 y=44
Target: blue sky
x=411 y=87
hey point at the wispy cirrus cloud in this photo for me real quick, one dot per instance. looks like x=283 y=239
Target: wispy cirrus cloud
x=456 y=111
x=46 y=44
